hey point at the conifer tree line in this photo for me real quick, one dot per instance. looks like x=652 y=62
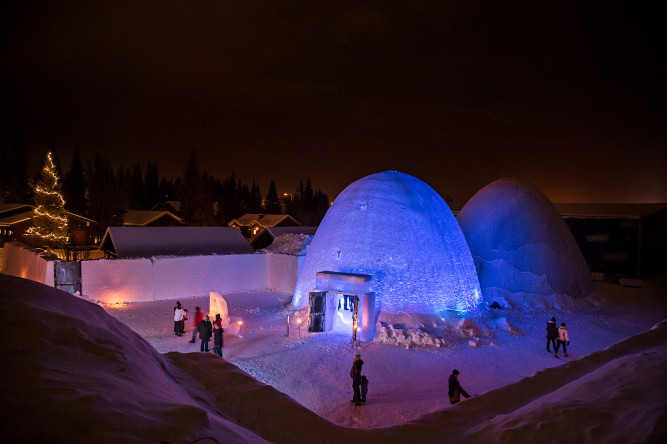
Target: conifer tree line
x=104 y=193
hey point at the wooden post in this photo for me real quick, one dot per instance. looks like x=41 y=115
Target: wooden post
x=355 y=318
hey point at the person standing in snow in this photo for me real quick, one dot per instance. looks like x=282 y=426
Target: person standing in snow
x=179 y=314
x=217 y=335
x=355 y=374
x=199 y=316
x=563 y=339
x=552 y=333
x=364 y=388
x=455 y=389
x=205 y=329
x=185 y=318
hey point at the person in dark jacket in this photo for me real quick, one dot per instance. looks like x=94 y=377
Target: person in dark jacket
x=552 y=333
x=205 y=329
x=217 y=335
x=355 y=374
x=455 y=389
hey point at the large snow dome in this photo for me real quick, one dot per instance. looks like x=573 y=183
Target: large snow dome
x=397 y=229
x=521 y=243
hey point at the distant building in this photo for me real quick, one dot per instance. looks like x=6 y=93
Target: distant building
x=146 y=218
x=173 y=206
x=15 y=219
x=620 y=240
x=251 y=224
x=268 y=234
x=128 y=242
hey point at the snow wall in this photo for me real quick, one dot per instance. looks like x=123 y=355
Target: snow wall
x=172 y=277
x=397 y=229
x=521 y=244
x=28 y=263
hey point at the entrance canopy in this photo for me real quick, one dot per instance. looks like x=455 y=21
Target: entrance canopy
x=349 y=284
x=343 y=282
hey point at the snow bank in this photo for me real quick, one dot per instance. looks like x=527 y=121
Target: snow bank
x=85 y=377
x=453 y=329
x=29 y=263
x=521 y=245
x=397 y=229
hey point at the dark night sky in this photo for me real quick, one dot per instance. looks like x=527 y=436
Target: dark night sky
x=566 y=96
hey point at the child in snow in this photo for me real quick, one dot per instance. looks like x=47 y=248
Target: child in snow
x=552 y=333
x=364 y=388
x=563 y=339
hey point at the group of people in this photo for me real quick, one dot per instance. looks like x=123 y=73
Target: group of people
x=202 y=326
x=557 y=337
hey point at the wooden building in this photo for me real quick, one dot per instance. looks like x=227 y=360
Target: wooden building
x=251 y=224
x=620 y=240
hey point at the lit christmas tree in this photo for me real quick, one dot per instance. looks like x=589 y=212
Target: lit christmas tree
x=50 y=220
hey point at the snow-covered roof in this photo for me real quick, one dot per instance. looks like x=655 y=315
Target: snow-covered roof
x=170 y=204
x=142 y=218
x=268 y=235
x=22 y=213
x=277 y=231
x=13 y=208
x=265 y=220
x=173 y=241
x=17 y=218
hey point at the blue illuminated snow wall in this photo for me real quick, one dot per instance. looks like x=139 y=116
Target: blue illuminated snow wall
x=521 y=243
x=397 y=229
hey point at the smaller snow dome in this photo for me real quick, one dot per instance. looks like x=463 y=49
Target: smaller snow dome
x=397 y=229
x=521 y=244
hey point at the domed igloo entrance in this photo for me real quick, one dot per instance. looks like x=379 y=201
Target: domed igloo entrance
x=342 y=302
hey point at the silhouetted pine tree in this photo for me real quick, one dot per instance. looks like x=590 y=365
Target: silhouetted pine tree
x=105 y=200
x=255 y=199
x=272 y=203
x=14 y=176
x=207 y=200
x=152 y=194
x=190 y=193
x=136 y=189
x=74 y=187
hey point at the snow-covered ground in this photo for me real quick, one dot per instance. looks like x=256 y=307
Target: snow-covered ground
x=84 y=376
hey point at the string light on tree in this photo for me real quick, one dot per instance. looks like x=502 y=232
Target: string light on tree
x=50 y=220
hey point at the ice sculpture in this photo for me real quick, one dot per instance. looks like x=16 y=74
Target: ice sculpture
x=521 y=243
x=397 y=229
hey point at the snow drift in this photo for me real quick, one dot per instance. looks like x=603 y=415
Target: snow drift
x=521 y=245
x=73 y=373
x=397 y=229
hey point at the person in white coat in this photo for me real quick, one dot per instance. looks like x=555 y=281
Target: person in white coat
x=563 y=339
x=179 y=314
